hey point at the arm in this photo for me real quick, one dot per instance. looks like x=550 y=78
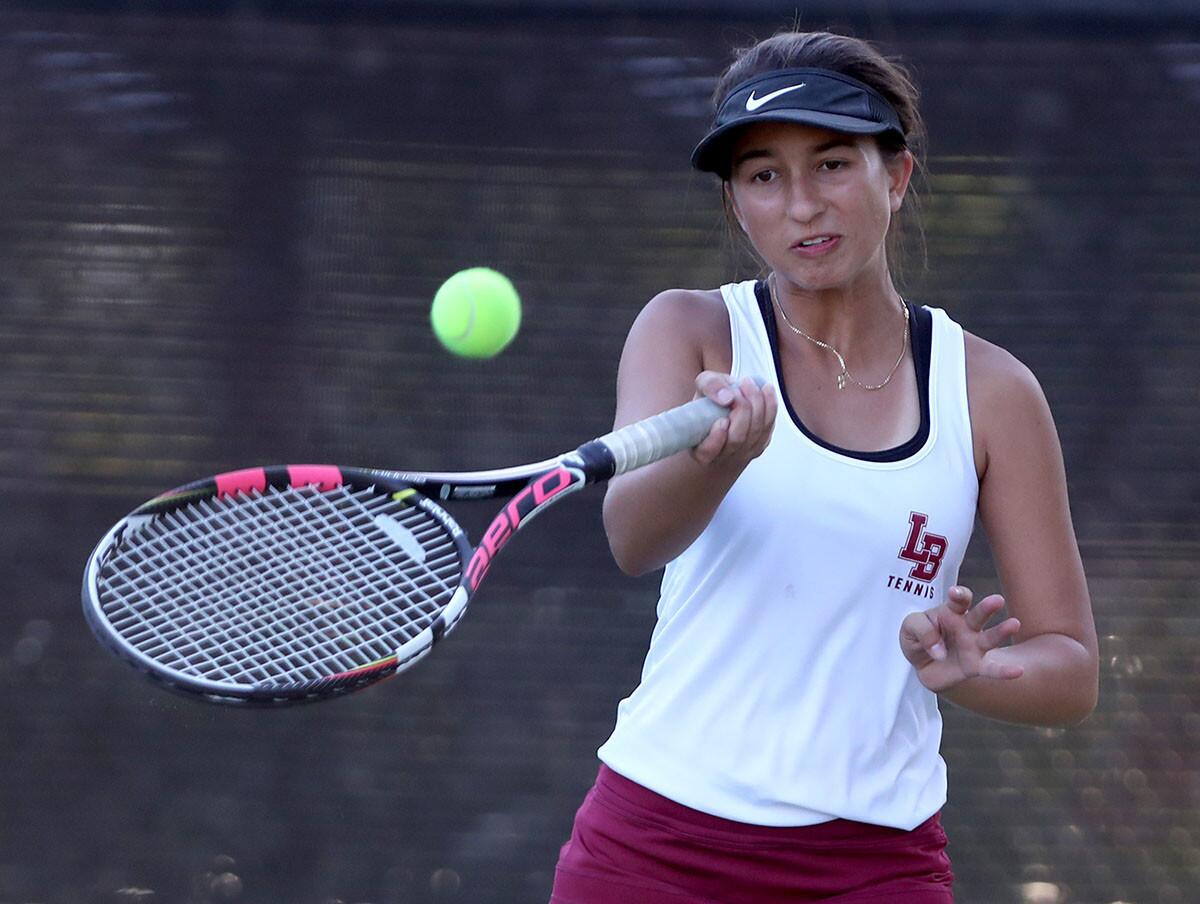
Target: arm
x=1048 y=675
x=678 y=349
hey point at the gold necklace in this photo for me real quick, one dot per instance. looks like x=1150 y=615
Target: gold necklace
x=845 y=375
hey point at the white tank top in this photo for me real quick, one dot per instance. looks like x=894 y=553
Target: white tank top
x=774 y=691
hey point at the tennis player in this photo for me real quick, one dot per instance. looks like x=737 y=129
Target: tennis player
x=782 y=745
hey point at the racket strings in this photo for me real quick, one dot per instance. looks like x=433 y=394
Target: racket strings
x=328 y=586
x=249 y=622
x=281 y=587
x=369 y=570
x=192 y=617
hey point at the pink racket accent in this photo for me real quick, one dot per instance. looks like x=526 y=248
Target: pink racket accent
x=241 y=481
x=326 y=477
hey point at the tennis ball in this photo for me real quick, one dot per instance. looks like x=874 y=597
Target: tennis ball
x=476 y=313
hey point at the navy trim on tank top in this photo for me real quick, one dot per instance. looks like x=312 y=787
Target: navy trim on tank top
x=921 y=339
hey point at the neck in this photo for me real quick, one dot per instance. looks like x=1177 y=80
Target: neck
x=854 y=318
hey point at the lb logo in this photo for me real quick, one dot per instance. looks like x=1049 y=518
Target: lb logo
x=924 y=549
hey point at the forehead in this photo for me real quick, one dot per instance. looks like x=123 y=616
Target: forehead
x=791 y=137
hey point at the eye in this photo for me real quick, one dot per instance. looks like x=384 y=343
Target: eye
x=764 y=176
x=832 y=165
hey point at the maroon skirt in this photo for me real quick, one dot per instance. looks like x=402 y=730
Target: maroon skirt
x=632 y=846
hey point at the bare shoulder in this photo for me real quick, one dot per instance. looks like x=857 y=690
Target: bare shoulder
x=694 y=311
x=678 y=334
x=996 y=377
x=690 y=299
x=1008 y=407
x=695 y=318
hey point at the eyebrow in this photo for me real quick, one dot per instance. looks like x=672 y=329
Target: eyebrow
x=754 y=153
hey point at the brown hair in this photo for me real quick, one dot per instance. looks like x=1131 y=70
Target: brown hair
x=848 y=56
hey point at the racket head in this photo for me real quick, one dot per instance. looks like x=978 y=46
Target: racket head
x=278 y=585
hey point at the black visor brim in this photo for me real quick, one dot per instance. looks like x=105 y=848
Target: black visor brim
x=712 y=154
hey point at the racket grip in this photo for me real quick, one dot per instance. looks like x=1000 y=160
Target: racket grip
x=662 y=435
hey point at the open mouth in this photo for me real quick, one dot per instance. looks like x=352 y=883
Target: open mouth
x=816 y=243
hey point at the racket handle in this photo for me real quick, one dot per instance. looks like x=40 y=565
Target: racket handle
x=661 y=435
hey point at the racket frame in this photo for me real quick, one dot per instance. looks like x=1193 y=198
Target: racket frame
x=532 y=488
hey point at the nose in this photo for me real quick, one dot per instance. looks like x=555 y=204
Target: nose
x=804 y=202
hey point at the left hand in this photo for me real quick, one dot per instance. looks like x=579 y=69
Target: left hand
x=949 y=644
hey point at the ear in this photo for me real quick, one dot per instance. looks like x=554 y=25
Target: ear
x=732 y=204
x=900 y=170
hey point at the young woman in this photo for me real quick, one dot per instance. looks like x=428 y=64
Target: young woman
x=783 y=742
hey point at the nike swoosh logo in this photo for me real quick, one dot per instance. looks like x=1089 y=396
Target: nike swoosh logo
x=753 y=103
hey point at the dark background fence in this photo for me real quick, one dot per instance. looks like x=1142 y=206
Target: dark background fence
x=219 y=235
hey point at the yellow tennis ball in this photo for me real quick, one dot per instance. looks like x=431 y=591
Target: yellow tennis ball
x=476 y=313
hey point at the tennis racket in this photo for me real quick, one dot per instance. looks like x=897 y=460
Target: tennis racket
x=299 y=582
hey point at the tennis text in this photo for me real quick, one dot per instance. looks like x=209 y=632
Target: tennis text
x=908 y=585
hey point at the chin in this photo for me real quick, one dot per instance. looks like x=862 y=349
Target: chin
x=816 y=282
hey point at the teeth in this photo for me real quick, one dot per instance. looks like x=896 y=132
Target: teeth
x=816 y=241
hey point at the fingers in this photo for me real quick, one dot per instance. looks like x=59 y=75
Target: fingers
x=958 y=599
x=716 y=386
x=746 y=430
x=713 y=444
x=740 y=421
x=746 y=421
x=999 y=635
x=995 y=664
x=919 y=632
x=980 y=614
x=951 y=643
x=993 y=640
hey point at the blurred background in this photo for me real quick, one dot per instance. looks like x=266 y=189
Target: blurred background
x=221 y=225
